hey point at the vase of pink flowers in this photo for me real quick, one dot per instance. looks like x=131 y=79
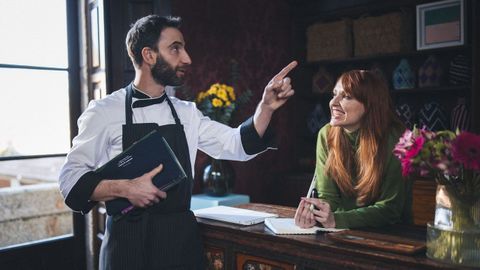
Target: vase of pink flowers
x=453 y=160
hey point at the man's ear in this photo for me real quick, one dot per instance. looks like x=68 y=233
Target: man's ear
x=149 y=56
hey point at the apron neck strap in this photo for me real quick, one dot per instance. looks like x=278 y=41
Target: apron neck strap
x=174 y=112
x=128 y=106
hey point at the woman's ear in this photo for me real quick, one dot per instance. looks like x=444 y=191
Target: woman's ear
x=149 y=56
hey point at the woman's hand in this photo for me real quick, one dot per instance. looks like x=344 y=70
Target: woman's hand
x=304 y=217
x=324 y=215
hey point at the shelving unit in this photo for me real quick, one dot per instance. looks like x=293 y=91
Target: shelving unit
x=446 y=94
x=450 y=89
x=361 y=59
x=307 y=13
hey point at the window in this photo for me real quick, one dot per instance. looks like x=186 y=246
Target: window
x=34 y=76
x=34 y=126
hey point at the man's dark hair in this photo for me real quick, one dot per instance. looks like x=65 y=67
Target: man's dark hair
x=145 y=32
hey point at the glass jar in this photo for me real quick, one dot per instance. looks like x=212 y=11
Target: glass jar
x=454 y=236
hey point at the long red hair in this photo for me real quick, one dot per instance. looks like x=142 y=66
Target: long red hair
x=368 y=162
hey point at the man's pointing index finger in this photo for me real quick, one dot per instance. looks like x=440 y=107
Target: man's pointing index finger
x=285 y=71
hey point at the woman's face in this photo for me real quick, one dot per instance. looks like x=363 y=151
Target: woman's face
x=346 y=111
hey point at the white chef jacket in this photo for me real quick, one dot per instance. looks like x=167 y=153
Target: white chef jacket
x=99 y=136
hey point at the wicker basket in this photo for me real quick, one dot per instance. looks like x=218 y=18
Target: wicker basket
x=388 y=33
x=331 y=40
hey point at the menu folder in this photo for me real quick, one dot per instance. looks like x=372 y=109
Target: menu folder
x=138 y=159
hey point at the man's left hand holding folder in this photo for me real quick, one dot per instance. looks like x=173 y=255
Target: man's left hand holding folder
x=140 y=191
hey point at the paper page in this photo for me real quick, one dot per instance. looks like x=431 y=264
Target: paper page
x=233 y=215
x=287 y=226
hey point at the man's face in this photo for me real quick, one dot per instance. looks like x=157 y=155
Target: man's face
x=172 y=58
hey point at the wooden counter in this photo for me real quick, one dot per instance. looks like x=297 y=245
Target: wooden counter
x=230 y=246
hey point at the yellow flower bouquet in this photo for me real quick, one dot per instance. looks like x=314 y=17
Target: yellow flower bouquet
x=219 y=102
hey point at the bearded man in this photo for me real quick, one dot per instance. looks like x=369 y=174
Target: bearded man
x=162 y=232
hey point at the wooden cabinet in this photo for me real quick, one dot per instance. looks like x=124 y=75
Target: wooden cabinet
x=215 y=257
x=231 y=246
x=423 y=201
x=250 y=262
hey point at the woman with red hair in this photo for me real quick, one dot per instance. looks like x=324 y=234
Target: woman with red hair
x=358 y=180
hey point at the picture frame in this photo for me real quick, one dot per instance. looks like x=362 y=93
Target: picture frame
x=440 y=24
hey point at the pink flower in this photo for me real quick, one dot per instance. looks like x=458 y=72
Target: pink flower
x=416 y=148
x=466 y=150
x=406 y=166
x=404 y=143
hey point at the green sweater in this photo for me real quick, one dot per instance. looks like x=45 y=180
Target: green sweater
x=394 y=200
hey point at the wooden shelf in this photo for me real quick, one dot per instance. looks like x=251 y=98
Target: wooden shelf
x=376 y=57
x=450 y=89
x=424 y=90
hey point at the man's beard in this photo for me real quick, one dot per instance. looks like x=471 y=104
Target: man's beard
x=164 y=74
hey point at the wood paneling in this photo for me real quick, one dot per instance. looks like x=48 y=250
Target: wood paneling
x=423 y=204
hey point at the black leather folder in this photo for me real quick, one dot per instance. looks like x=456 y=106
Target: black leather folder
x=140 y=158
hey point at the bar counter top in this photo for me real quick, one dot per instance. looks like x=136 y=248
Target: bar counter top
x=234 y=246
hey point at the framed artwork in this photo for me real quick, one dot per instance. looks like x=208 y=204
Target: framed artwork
x=440 y=24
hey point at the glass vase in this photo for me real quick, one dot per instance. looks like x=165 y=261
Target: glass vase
x=218 y=178
x=454 y=236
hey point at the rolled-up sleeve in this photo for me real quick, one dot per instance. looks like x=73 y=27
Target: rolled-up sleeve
x=223 y=142
x=77 y=179
x=252 y=142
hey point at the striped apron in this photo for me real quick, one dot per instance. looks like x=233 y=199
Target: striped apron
x=165 y=235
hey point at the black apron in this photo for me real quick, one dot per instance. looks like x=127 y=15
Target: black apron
x=165 y=235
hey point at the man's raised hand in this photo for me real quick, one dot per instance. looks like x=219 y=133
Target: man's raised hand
x=279 y=89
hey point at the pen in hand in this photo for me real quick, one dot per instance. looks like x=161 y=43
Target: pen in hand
x=312 y=191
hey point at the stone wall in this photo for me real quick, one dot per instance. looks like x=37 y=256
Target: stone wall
x=32 y=212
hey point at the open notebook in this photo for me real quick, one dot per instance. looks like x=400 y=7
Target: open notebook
x=287 y=226
x=233 y=215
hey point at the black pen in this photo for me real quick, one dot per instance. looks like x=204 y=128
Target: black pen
x=311 y=188
x=314 y=194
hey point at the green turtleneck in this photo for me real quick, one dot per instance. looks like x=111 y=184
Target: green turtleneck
x=393 y=203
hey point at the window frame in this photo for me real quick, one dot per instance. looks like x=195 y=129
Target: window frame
x=73 y=74
x=37 y=251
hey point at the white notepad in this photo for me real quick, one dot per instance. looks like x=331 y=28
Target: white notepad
x=233 y=215
x=287 y=226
